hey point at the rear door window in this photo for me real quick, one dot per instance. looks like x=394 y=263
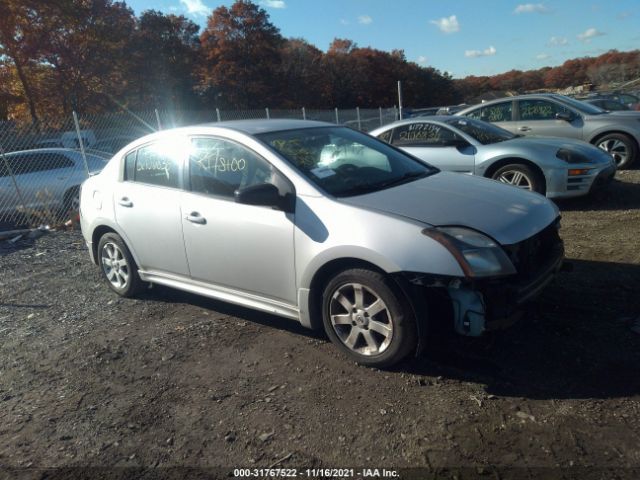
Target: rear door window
x=158 y=163
x=540 y=110
x=497 y=112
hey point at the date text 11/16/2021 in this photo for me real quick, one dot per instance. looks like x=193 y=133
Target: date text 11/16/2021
x=314 y=473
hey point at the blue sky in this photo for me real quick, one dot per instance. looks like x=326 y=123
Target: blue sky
x=463 y=37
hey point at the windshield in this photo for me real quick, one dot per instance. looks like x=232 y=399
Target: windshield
x=344 y=162
x=483 y=132
x=578 y=105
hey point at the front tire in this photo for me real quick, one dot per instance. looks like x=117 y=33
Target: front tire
x=368 y=317
x=117 y=265
x=521 y=176
x=622 y=148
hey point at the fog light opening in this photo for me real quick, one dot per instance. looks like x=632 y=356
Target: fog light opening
x=573 y=172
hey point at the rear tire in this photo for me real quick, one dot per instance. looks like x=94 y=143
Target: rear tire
x=117 y=265
x=521 y=176
x=621 y=147
x=72 y=200
x=369 y=318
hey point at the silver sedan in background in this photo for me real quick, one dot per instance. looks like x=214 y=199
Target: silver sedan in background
x=555 y=167
x=552 y=115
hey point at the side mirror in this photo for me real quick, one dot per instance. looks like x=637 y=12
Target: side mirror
x=458 y=143
x=262 y=194
x=567 y=117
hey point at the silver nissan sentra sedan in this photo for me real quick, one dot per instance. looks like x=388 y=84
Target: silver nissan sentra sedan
x=372 y=249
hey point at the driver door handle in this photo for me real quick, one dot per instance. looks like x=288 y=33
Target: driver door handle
x=524 y=129
x=125 y=202
x=195 y=217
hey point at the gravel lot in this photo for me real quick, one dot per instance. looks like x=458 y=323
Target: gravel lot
x=172 y=380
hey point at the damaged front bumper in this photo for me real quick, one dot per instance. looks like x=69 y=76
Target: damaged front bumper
x=478 y=305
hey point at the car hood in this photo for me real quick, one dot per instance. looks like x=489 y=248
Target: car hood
x=556 y=143
x=620 y=114
x=505 y=213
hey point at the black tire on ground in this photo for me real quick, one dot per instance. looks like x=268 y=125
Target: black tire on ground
x=117 y=265
x=623 y=149
x=378 y=337
x=521 y=175
x=72 y=199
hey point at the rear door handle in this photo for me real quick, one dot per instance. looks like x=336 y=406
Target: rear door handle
x=125 y=202
x=524 y=129
x=195 y=217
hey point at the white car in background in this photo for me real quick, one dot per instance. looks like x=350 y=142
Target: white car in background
x=46 y=178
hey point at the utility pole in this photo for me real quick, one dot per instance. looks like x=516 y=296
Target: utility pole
x=400 y=98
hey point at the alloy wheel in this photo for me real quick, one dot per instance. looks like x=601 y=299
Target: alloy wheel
x=114 y=265
x=616 y=148
x=361 y=319
x=516 y=178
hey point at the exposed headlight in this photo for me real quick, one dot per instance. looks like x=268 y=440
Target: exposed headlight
x=570 y=156
x=477 y=254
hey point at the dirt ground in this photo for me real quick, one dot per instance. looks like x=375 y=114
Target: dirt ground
x=172 y=384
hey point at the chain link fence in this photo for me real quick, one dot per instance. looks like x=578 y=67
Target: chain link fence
x=42 y=165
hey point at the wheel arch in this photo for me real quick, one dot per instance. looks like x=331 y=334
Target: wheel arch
x=497 y=165
x=322 y=276
x=596 y=138
x=98 y=233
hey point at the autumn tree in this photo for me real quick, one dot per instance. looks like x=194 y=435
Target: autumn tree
x=301 y=65
x=21 y=34
x=88 y=50
x=242 y=53
x=165 y=50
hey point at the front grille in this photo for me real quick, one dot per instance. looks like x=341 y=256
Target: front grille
x=533 y=255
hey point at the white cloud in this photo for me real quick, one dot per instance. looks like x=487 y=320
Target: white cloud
x=487 y=52
x=531 y=8
x=624 y=15
x=365 y=19
x=344 y=21
x=589 y=34
x=274 y=3
x=557 y=41
x=543 y=56
x=422 y=59
x=196 y=7
x=447 y=24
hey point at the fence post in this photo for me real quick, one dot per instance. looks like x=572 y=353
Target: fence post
x=158 y=119
x=81 y=143
x=304 y=114
x=267 y=112
x=337 y=118
x=218 y=114
x=13 y=180
x=380 y=111
x=358 y=115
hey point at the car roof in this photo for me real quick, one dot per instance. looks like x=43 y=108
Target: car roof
x=555 y=96
x=42 y=150
x=406 y=121
x=254 y=127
